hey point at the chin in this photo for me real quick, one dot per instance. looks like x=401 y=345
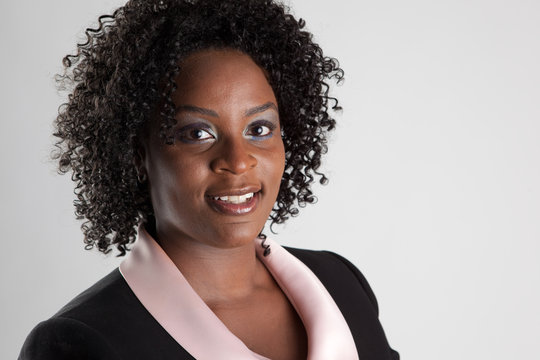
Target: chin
x=236 y=234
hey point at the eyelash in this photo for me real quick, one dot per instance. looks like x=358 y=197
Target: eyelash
x=184 y=134
x=262 y=123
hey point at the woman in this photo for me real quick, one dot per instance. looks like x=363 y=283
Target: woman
x=195 y=122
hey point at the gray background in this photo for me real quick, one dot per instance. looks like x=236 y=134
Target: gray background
x=435 y=170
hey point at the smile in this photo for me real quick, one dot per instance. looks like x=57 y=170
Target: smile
x=235 y=199
x=235 y=204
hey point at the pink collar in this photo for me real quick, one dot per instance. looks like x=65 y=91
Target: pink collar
x=170 y=299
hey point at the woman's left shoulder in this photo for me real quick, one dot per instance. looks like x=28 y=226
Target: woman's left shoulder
x=336 y=273
x=353 y=296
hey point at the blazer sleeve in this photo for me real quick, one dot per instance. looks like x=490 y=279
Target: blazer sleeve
x=63 y=338
x=366 y=287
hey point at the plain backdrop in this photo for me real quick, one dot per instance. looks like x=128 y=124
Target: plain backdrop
x=434 y=169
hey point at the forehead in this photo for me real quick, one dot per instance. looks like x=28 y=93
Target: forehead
x=221 y=78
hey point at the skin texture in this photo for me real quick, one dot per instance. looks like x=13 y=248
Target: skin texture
x=227 y=142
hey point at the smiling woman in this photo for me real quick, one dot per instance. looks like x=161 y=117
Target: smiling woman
x=190 y=125
x=227 y=147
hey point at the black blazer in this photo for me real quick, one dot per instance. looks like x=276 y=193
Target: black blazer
x=107 y=321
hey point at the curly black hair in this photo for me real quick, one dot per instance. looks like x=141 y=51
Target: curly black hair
x=123 y=75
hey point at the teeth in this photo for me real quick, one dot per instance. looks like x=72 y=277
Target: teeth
x=235 y=199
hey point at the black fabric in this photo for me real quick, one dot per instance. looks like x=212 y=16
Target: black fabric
x=107 y=321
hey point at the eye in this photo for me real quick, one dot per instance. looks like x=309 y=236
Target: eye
x=261 y=129
x=194 y=134
x=198 y=134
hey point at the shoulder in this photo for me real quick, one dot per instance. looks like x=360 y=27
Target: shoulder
x=354 y=297
x=108 y=296
x=335 y=271
x=64 y=338
x=106 y=321
x=72 y=332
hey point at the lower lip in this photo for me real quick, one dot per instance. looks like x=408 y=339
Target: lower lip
x=235 y=209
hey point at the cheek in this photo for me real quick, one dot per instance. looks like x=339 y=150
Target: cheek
x=276 y=166
x=188 y=178
x=280 y=164
x=175 y=179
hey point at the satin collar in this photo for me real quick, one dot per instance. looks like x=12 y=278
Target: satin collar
x=170 y=299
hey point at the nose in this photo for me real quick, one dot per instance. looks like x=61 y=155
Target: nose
x=233 y=156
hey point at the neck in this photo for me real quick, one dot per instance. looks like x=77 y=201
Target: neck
x=218 y=275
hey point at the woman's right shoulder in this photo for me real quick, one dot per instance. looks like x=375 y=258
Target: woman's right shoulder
x=62 y=338
x=74 y=332
x=106 y=321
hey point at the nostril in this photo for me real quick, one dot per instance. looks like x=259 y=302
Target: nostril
x=234 y=162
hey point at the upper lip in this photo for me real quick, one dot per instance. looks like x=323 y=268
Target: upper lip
x=235 y=191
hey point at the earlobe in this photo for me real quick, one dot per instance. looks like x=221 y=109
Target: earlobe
x=141 y=177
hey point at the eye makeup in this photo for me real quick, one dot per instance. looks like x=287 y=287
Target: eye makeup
x=260 y=130
x=197 y=132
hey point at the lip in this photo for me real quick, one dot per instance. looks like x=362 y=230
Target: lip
x=234 y=209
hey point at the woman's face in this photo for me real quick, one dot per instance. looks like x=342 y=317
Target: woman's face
x=219 y=181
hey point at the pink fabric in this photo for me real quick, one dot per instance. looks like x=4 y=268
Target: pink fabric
x=171 y=300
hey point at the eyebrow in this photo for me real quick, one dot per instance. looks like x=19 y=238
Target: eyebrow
x=196 y=109
x=261 y=108
x=208 y=112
